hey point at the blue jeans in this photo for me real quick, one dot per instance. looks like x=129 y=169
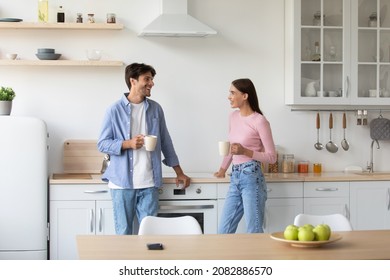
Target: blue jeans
x=128 y=202
x=246 y=196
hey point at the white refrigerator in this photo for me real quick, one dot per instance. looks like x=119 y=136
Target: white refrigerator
x=23 y=188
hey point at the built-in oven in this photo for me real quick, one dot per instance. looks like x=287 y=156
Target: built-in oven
x=198 y=200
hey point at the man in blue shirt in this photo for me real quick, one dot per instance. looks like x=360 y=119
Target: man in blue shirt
x=135 y=174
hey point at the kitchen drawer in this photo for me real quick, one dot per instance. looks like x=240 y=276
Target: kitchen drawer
x=285 y=189
x=274 y=190
x=326 y=189
x=79 y=192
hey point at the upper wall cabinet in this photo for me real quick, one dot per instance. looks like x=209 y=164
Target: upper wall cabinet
x=337 y=52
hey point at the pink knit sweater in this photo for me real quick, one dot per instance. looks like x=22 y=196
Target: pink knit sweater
x=252 y=132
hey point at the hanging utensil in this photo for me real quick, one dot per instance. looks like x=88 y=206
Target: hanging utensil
x=330 y=146
x=344 y=142
x=318 y=145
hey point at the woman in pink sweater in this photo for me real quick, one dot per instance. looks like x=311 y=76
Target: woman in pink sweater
x=251 y=144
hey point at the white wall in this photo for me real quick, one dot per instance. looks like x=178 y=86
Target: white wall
x=192 y=82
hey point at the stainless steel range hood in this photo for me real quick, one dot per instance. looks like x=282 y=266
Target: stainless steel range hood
x=174 y=21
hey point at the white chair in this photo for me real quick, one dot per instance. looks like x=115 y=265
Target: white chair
x=164 y=226
x=337 y=222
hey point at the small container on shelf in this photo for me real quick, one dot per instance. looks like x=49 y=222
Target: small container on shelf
x=373 y=20
x=111 y=18
x=91 y=18
x=60 y=14
x=317 y=19
x=79 y=18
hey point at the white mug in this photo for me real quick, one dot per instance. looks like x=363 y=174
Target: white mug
x=224 y=148
x=150 y=142
x=372 y=92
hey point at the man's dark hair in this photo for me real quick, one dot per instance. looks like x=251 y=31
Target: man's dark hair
x=134 y=70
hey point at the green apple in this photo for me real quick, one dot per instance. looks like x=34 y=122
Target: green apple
x=305 y=234
x=321 y=232
x=308 y=226
x=291 y=232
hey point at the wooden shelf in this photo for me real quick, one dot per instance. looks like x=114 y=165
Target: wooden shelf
x=65 y=25
x=60 y=62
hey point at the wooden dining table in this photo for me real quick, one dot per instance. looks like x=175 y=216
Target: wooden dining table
x=353 y=245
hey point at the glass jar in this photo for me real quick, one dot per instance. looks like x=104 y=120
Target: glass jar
x=111 y=18
x=274 y=167
x=317 y=168
x=303 y=167
x=373 y=20
x=79 y=18
x=91 y=18
x=288 y=163
x=317 y=19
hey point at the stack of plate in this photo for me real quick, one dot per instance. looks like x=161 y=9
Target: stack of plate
x=47 y=54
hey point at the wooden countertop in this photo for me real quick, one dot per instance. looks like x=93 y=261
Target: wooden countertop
x=354 y=245
x=270 y=177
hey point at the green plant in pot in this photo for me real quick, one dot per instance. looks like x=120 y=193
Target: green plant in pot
x=7 y=94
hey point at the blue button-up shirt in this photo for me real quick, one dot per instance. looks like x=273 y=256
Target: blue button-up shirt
x=116 y=129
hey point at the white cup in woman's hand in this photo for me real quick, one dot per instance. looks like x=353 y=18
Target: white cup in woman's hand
x=224 y=148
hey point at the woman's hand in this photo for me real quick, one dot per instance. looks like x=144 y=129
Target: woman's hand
x=238 y=149
x=220 y=173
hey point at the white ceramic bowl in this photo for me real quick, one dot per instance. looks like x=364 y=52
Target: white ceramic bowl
x=11 y=56
x=94 y=55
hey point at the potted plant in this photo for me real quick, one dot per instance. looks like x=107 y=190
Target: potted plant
x=7 y=94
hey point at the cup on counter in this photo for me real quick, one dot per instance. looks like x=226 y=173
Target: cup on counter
x=224 y=148
x=317 y=168
x=150 y=142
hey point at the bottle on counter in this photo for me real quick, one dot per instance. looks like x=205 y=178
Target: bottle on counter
x=43 y=10
x=288 y=163
x=60 y=14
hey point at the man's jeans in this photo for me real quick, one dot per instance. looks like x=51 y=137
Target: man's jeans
x=128 y=202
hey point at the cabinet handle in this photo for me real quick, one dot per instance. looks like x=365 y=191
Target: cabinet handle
x=185 y=207
x=91 y=220
x=327 y=189
x=101 y=191
x=388 y=199
x=346 y=210
x=347 y=90
x=100 y=219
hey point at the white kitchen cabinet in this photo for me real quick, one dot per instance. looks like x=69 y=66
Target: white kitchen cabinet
x=75 y=210
x=370 y=205
x=285 y=201
x=323 y=198
x=351 y=64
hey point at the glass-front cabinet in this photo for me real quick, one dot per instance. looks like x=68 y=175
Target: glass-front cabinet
x=337 y=52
